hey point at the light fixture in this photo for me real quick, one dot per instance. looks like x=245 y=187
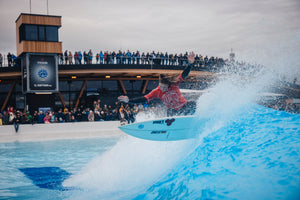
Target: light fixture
x=73 y=77
x=138 y=76
x=107 y=76
x=43 y=92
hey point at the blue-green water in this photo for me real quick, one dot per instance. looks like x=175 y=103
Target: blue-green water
x=254 y=155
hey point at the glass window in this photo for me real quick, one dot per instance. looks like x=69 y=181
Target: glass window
x=31 y=32
x=22 y=33
x=94 y=85
x=110 y=85
x=52 y=33
x=151 y=85
x=41 y=33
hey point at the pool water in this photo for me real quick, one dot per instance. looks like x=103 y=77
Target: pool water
x=255 y=155
x=26 y=166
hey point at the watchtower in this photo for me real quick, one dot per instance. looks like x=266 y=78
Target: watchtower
x=38 y=47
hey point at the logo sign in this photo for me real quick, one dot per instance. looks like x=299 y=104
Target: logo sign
x=158 y=132
x=169 y=121
x=141 y=126
x=158 y=122
x=42 y=73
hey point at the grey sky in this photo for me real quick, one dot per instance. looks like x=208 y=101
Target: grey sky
x=258 y=30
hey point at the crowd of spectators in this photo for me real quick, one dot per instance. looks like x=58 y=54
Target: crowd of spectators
x=122 y=57
x=125 y=113
x=11 y=60
x=128 y=57
x=283 y=105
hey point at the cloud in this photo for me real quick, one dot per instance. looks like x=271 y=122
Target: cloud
x=207 y=27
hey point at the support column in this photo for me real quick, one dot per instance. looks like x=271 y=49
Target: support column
x=8 y=95
x=122 y=86
x=81 y=93
x=61 y=99
x=145 y=87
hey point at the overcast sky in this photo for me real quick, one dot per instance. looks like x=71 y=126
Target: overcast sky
x=261 y=31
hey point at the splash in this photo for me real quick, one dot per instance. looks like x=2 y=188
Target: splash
x=131 y=165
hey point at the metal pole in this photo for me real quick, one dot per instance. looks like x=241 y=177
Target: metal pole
x=30 y=5
x=47 y=8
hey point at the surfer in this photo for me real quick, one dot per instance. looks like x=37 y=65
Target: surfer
x=168 y=91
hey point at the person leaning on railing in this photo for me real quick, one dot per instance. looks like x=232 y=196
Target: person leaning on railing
x=1 y=60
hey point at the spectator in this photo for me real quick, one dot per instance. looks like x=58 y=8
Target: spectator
x=70 y=57
x=128 y=57
x=78 y=115
x=61 y=59
x=79 y=57
x=47 y=119
x=53 y=117
x=1 y=119
x=84 y=116
x=17 y=121
x=35 y=117
x=91 y=116
x=90 y=56
x=76 y=58
x=66 y=57
x=41 y=117
x=1 y=60
x=85 y=57
x=97 y=116
x=101 y=56
x=27 y=118
x=97 y=58
x=9 y=59
x=5 y=118
x=60 y=116
x=14 y=60
x=122 y=116
x=138 y=57
x=67 y=116
x=11 y=118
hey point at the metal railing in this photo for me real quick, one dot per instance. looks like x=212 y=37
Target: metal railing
x=149 y=60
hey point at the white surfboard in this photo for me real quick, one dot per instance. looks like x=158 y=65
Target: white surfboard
x=165 y=129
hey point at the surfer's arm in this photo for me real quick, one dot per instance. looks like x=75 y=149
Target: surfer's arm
x=133 y=100
x=138 y=100
x=188 y=68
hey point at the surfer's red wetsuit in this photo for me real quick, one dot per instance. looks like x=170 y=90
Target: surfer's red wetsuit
x=172 y=98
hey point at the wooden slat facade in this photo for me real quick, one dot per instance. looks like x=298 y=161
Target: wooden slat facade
x=37 y=46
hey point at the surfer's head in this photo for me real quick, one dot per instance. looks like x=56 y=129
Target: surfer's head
x=168 y=79
x=165 y=80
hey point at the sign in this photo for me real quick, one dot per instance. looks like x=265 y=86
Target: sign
x=41 y=73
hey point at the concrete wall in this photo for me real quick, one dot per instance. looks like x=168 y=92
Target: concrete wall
x=41 y=132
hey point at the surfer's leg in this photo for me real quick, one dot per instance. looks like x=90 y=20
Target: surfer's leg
x=189 y=108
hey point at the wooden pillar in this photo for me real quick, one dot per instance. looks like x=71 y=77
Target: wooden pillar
x=145 y=86
x=61 y=99
x=81 y=93
x=8 y=95
x=122 y=86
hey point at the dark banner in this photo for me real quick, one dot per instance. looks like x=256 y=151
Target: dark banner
x=24 y=74
x=42 y=73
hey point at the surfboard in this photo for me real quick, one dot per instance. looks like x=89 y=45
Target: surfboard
x=165 y=129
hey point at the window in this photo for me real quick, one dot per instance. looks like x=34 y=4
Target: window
x=38 y=33
x=31 y=32
x=52 y=33
x=41 y=33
